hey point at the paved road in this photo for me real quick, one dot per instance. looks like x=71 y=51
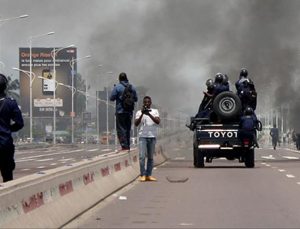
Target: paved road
x=36 y=160
x=224 y=194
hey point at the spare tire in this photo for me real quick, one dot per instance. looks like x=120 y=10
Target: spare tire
x=227 y=105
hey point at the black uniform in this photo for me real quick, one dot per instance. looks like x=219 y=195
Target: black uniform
x=10 y=121
x=274 y=132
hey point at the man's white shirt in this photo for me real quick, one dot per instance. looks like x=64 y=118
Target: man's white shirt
x=148 y=128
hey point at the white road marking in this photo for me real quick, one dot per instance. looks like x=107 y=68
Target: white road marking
x=53 y=164
x=298 y=183
x=186 y=224
x=179 y=158
x=51 y=154
x=289 y=157
x=104 y=150
x=47 y=159
x=40 y=167
x=22 y=160
x=66 y=159
x=25 y=169
x=268 y=157
x=93 y=150
x=281 y=170
x=292 y=150
x=290 y=175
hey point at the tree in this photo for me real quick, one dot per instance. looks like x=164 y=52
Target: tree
x=13 y=88
x=79 y=97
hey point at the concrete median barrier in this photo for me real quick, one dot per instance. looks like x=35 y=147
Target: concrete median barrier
x=52 y=198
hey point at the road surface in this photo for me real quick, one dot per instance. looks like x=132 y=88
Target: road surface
x=224 y=194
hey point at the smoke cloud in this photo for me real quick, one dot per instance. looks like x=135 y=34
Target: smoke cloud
x=172 y=46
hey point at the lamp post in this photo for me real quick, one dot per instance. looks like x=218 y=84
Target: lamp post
x=54 y=52
x=86 y=98
x=97 y=110
x=108 y=74
x=31 y=76
x=30 y=72
x=72 y=62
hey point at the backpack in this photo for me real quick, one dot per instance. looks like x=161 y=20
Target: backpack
x=127 y=98
x=248 y=123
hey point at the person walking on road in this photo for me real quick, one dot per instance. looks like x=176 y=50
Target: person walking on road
x=11 y=120
x=274 y=133
x=148 y=120
x=125 y=96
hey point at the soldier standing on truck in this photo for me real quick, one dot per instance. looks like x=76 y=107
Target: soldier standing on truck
x=246 y=90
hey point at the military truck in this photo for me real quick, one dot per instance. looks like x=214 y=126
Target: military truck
x=218 y=135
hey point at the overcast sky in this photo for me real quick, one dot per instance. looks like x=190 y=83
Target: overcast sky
x=170 y=46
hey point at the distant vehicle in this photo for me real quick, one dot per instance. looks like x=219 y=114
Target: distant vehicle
x=61 y=137
x=110 y=136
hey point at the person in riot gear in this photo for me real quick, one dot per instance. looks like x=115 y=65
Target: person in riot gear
x=248 y=125
x=226 y=81
x=246 y=90
x=11 y=120
x=219 y=84
x=206 y=103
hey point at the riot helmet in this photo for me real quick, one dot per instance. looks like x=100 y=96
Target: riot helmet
x=243 y=72
x=249 y=111
x=3 y=83
x=219 y=78
x=209 y=84
x=225 y=79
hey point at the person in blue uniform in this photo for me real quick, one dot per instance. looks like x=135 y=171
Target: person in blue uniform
x=248 y=125
x=246 y=90
x=11 y=120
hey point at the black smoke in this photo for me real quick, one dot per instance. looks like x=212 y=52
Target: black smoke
x=171 y=46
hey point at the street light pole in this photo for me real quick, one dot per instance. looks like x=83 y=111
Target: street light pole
x=72 y=62
x=107 y=142
x=97 y=110
x=86 y=106
x=31 y=76
x=30 y=70
x=53 y=54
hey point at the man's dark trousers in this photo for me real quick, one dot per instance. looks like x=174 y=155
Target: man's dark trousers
x=123 y=124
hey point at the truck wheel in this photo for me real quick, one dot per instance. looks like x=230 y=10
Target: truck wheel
x=198 y=158
x=227 y=105
x=249 y=158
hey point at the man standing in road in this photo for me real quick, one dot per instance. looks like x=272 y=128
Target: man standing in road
x=274 y=133
x=125 y=96
x=148 y=119
x=10 y=121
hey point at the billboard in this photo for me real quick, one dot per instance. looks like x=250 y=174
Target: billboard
x=43 y=85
